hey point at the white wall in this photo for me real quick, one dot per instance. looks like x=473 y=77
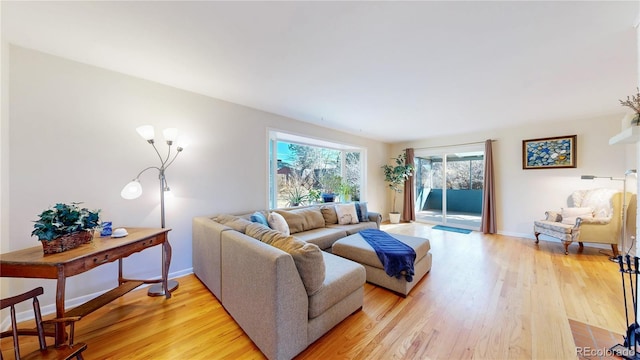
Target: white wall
x=523 y=196
x=72 y=137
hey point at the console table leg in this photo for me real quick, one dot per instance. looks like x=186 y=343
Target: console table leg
x=60 y=289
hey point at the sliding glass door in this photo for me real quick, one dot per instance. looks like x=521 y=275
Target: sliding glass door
x=449 y=185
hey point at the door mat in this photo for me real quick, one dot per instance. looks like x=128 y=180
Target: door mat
x=452 y=229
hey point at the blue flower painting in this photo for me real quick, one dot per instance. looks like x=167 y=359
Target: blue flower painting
x=556 y=152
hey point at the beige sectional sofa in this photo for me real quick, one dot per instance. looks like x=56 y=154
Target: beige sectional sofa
x=284 y=291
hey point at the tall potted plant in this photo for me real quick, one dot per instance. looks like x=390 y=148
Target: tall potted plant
x=396 y=175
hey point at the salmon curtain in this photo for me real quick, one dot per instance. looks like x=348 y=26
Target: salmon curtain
x=408 y=210
x=488 y=221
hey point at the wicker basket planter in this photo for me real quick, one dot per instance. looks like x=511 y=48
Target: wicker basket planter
x=66 y=242
x=65 y=226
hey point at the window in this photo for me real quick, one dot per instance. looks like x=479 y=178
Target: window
x=304 y=171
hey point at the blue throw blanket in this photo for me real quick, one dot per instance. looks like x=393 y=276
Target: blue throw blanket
x=396 y=256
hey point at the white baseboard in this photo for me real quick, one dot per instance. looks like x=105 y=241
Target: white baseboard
x=527 y=236
x=71 y=303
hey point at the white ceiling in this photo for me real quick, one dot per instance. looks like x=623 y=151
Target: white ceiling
x=392 y=71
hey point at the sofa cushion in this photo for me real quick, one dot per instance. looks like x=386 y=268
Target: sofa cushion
x=329 y=214
x=303 y=219
x=278 y=223
x=257 y=230
x=307 y=257
x=323 y=237
x=234 y=222
x=342 y=277
x=346 y=214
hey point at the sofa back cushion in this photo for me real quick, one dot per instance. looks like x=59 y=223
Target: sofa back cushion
x=232 y=221
x=303 y=219
x=307 y=257
x=257 y=230
x=329 y=214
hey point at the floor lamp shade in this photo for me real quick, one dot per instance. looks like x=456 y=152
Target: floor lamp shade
x=146 y=132
x=132 y=190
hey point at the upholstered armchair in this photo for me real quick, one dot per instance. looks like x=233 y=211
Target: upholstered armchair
x=593 y=216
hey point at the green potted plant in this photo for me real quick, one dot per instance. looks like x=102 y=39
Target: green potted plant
x=296 y=195
x=345 y=192
x=330 y=185
x=396 y=175
x=65 y=226
x=314 y=195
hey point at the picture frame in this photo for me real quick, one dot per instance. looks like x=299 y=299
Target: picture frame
x=550 y=153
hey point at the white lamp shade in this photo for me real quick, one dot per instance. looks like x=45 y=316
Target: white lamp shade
x=132 y=190
x=146 y=131
x=183 y=142
x=170 y=134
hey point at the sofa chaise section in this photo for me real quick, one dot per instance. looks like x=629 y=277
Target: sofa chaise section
x=265 y=287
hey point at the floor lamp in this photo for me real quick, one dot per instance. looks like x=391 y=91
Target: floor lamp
x=624 y=200
x=133 y=189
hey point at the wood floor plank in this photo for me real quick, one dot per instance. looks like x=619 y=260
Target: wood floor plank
x=486 y=297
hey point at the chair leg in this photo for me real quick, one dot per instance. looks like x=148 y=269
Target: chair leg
x=536 y=234
x=581 y=244
x=566 y=247
x=614 y=247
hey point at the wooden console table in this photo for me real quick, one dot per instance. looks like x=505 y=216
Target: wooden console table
x=33 y=263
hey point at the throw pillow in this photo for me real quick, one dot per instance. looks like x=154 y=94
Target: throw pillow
x=329 y=214
x=569 y=215
x=346 y=214
x=361 y=210
x=277 y=222
x=259 y=218
x=577 y=211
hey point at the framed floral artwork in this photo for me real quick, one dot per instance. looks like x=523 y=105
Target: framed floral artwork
x=549 y=153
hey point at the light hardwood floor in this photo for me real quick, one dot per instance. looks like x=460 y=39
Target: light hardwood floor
x=486 y=297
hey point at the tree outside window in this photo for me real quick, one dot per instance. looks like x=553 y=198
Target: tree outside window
x=303 y=173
